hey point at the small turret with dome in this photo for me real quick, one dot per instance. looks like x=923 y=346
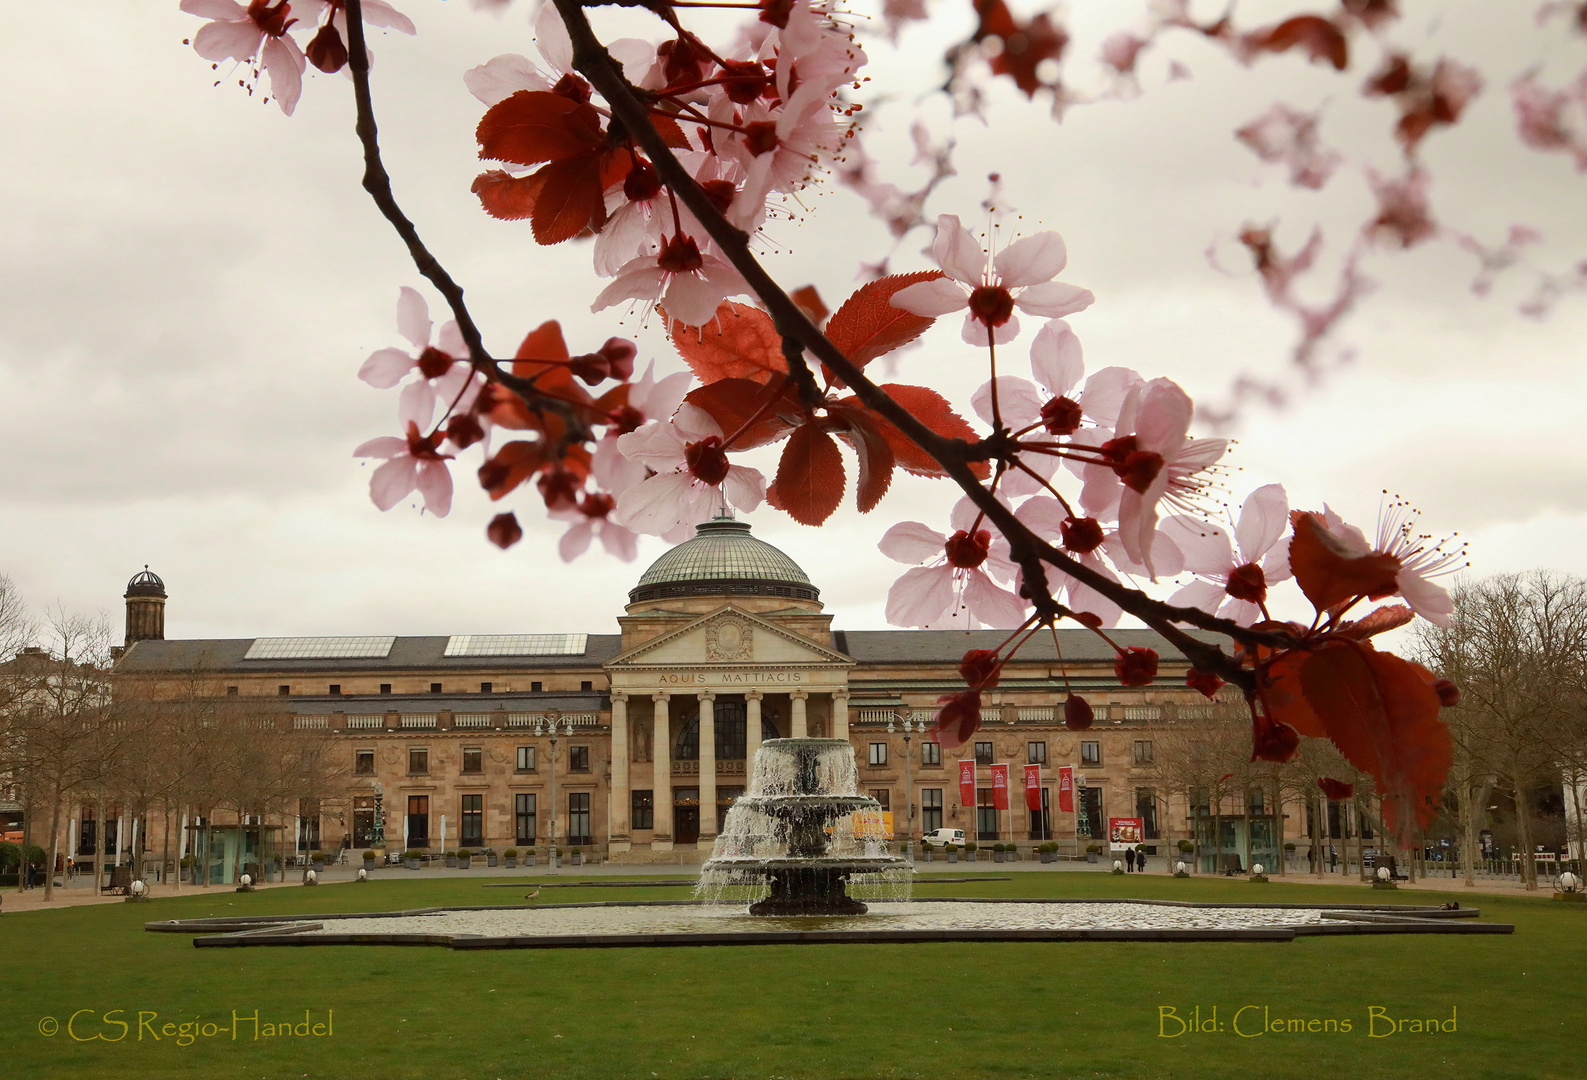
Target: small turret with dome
x=145 y=597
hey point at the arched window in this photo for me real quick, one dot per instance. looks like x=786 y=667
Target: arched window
x=768 y=727
x=688 y=744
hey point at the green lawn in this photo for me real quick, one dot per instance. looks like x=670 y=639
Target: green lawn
x=935 y=1010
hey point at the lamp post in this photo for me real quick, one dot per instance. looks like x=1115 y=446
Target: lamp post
x=567 y=727
x=909 y=727
x=378 y=840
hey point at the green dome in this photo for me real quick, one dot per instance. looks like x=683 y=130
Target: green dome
x=723 y=559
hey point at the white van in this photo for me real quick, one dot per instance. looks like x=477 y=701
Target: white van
x=944 y=836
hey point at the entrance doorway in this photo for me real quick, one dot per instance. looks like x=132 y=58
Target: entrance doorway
x=686 y=815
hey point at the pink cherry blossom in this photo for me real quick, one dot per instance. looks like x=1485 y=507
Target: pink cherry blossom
x=411 y=462
x=1419 y=560
x=649 y=399
x=989 y=288
x=689 y=283
x=1046 y=518
x=954 y=584
x=693 y=476
x=246 y=34
x=591 y=518
x=505 y=75
x=444 y=371
x=1233 y=581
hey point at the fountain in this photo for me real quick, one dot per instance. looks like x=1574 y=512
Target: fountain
x=799 y=838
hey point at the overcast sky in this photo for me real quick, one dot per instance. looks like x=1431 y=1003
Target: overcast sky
x=191 y=281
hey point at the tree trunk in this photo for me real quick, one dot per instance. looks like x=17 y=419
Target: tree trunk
x=55 y=828
x=100 y=840
x=1283 y=856
x=1468 y=833
x=27 y=836
x=165 y=846
x=1523 y=827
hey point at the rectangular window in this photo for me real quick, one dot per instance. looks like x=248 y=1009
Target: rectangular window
x=578 y=759
x=931 y=753
x=731 y=731
x=1146 y=810
x=336 y=689
x=418 y=761
x=1041 y=820
x=1143 y=751
x=930 y=809
x=642 y=810
x=435 y=688
x=586 y=685
x=1335 y=820
x=983 y=753
x=524 y=813
x=283 y=690
x=364 y=762
x=363 y=822
x=534 y=687
x=473 y=759
x=1036 y=753
x=418 y=821
x=1366 y=828
x=484 y=687
x=883 y=797
x=1256 y=801
x=385 y=688
x=526 y=759
x=473 y=831
x=579 y=818
x=1090 y=753
x=878 y=753
x=985 y=816
x=231 y=691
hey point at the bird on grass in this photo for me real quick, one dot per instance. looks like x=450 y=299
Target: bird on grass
x=531 y=896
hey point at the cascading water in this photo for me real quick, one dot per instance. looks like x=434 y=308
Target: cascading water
x=790 y=845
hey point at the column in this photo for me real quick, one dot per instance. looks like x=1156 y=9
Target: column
x=798 y=728
x=707 y=769
x=661 y=768
x=617 y=815
x=840 y=714
x=752 y=700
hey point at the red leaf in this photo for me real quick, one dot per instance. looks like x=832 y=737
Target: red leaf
x=740 y=343
x=1382 y=713
x=1328 y=573
x=933 y=410
x=569 y=198
x=731 y=402
x=545 y=343
x=809 y=301
x=1335 y=789
x=874 y=453
x=1024 y=49
x=868 y=326
x=1377 y=621
x=995 y=19
x=810 y=476
x=1321 y=39
x=535 y=125
x=505 y=196
x=1284 y=700
x=670 y=132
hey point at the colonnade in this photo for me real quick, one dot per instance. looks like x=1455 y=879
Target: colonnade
x=663 y=826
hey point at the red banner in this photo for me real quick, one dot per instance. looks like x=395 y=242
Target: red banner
x=1066 y=789
x=967 y=783
x=1033 y=788
x=1000 y=786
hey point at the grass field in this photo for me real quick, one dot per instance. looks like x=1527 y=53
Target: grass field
x=930 y=1010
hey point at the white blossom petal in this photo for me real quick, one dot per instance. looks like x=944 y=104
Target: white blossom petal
x=1054 y=299
x=1033 y=259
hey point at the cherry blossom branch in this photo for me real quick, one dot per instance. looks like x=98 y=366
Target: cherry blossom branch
x=378 y=183
x=592 y=60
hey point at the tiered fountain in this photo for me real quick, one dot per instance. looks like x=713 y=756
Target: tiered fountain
x=790 y=843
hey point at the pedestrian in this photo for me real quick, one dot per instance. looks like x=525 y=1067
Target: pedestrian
x=1129 y=860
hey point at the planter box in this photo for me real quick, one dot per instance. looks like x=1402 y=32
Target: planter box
x=578 y=860
x=530 y=861
x=953 y=856
x=464 y=864
x=1091 y=856
x=411 y=864
x=926 y=855
x=490 y=860
x=1049 y=856
x=512 y=861
x=451 y=862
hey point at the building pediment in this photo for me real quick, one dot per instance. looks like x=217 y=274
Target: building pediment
x=728 y=638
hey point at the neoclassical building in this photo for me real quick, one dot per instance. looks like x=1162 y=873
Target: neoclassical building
x=638 y=741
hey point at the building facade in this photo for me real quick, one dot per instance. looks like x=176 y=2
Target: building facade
x=632 y=745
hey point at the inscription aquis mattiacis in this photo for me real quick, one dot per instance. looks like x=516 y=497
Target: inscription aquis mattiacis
x=731 y=678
